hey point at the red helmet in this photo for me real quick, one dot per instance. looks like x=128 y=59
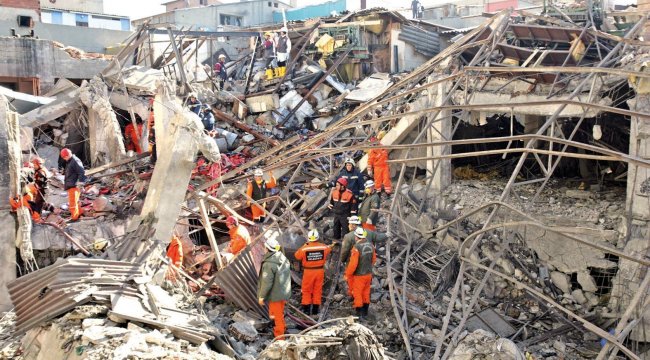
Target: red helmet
x=343 y=181
x=65 y=152
x=231 y=220
x=37 y=160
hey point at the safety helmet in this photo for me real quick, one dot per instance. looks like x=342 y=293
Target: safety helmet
x=222 y=56
x=313 y=235
x=350 y=161
x=343 y=181
x=268 y=33
x=369 y=184
x=354 y=220
x=360 y=233
x=37 y=160
x=65 y=152
x=192 y=94
x=284 y=29
x=381 y=134
x=272 y=244
x=231 y=220
x=100 y=244
x=258 y=172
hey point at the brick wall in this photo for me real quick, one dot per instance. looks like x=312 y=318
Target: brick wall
x=22 y=4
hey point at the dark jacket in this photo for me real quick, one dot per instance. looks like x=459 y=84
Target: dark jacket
x=355 y=180
x=220 y=69
x=74 y=173
x=282 y=44
x=373 y=237
x=275 y=278
x=195 y=106
x=343 y=203
x=367 y=205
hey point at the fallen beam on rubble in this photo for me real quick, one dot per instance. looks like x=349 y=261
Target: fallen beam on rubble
x=57 y=108
x=562 y=69
x=241 y=126
x=115 y=164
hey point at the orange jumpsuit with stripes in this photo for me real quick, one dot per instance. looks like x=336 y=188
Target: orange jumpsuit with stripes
x=24 y=201
x=239 y=238
x=359 y=270
x=257 y=191
x=313 y=256
x=175 y=252
x=378 y=163
x=133 y=138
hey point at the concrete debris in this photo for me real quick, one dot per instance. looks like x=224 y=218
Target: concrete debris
x=483 y=343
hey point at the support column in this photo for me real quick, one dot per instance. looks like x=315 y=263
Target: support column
x=7 y=221
x=440 y=131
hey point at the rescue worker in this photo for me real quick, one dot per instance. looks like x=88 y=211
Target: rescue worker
x=354 y=177
x=283 y=48
x=348 y=239
x=133 y=138
x=194 y=104
x=75 y=175
x=359 y=270
x=256 y=190
x=26 y=199
x=274 y=285
x=41 y=182
x=239 y=236
x=220 y=71
x=370 y=202
x=378 y=166
x=343 y=204
x=269 y=53
x=175 y=255
x=313 y=257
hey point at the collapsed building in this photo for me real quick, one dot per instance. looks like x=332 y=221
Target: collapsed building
x=518 y=226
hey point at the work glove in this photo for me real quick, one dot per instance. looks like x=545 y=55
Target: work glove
x=330 y=206
x=260 y=301
x=369 y=221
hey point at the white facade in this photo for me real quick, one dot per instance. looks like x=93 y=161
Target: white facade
x=80 y=19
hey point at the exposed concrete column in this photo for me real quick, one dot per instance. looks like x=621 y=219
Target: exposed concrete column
x=440 y=131
x=179 y=136
x=644 y=6
x=7 y=221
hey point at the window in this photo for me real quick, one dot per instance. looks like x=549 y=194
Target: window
x=230 y=20
x=203 y=2
x=25 y=21
x=125 y=24
x=269 y=4
x=275 y=5
x=57 y=17
x=81 y=20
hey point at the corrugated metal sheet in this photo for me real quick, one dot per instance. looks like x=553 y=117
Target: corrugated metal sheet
x=425 y=42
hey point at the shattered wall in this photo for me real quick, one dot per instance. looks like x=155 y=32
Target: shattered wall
x=7 y=221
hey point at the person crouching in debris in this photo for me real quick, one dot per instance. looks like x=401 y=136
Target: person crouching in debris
x=220 y=71
x=362 y=259
x=274 y=285
x=175 y=255
x=133 y=138
x=313 y=256
x=194 y=104
x=378 y=166
x=269 y=55
x=283 y=49
x=354 y=177
x=368 y=207
x=26 y=199
x=256 y=190
x=343 y=204
x=239 y=236
x=75 y=175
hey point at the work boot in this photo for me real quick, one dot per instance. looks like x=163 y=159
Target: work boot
x=315 y=309
x=359 y=311
x=305 y=309
x=364 y=310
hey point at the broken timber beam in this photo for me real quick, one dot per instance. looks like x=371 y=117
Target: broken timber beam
x=208 y=230
x=241 y=126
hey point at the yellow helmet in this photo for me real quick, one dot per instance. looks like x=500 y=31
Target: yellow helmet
x=268 y=33
x=100 y=244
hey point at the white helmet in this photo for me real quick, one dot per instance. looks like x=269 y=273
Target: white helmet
x=350 y=161
x=222 y=56
x=258 y=172
x=369 y=184
x=272 y=244
x=284 y=29
x=360 y=233
x=313 y=235
x=100 y=244
x=354 y=220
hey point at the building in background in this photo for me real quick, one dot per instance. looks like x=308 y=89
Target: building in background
x=88 y=13
x=183 y=4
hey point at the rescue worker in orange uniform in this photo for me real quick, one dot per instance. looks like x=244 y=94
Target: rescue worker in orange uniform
x=41 y=182
x=256 y=190
x=175 y=255
x=362 y=259
x=274 y=285
x=343 y=203
x=133 y=138
x=378 y=166
x=75 y=175
x=26 y=200
x=239 y=236
x=313 y=256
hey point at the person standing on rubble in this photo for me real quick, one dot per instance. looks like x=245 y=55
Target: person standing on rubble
x=220 y=71
x=343 y=204
x=133 y=138
x=283 y=49
x=415 y=8
x=378 y=166
x=359 y=270
x=75 y=175
x=269 y=53
x=354 y=177
x=41 y=183
x=369 y=206
x=239 y=235
x=274 y=285
x=256 y=190
x=313 y=256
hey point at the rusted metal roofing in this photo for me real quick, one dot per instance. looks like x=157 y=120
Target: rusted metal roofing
x=547 y=33
x=551 y=58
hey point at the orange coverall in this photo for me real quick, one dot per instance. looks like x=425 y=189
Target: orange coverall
x=257 y=211
x=360 y=284
x=313 y=256
x=175 y=252
x=276 y=313
x=134 y=139
x=239 y=238
x=24 y=200
x=378 y=163
x=73 y=202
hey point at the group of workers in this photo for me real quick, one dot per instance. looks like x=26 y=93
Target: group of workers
x=276 y=52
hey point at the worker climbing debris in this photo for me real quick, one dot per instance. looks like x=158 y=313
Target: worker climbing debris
x=239 y=236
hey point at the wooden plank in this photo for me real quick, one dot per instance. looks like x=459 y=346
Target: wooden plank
x=208 y=230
